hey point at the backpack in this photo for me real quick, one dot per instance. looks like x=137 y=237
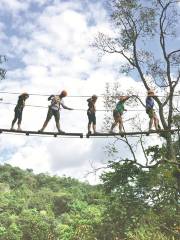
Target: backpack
x=120 y=107
x=90 y=103
x=55 y=102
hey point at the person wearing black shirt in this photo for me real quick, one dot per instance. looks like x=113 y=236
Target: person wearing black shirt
x=19 y=110
x=91 y=112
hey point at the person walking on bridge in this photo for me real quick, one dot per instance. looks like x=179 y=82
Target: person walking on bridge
x=151 y=112
x=118 y=112
x=19 y=110
x=91 y=113
x=54 y=108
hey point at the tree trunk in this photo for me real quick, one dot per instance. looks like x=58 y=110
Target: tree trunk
x=171 y=154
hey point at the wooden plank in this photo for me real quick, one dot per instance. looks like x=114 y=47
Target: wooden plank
x=55 y=134
x=130 y=133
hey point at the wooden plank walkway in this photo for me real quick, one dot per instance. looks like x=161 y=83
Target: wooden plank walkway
x=81 y=135
x=54 y=134
x=147 y=133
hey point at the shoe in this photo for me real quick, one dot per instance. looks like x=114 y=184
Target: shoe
x=159 y=127
x=96 y=132
x=149 y=131
x=111 y=132
x=121 y=134
x=61 y=132
x=89 y=132
x=19 y=129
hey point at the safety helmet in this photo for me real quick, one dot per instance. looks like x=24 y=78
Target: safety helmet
x=25 y=94
x=121 y=98
x=94 y=97
x=150 y=92
x=63 y=93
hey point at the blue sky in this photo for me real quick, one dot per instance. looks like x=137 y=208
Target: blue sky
x=47 y=43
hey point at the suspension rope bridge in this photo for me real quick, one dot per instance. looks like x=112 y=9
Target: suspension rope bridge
x=81 y=135
x=78 y=134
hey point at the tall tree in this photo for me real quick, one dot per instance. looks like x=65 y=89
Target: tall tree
x=141 y=204
x=143 y=36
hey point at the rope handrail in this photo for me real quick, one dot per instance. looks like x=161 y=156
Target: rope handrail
x=83 y=96
x=79 y=109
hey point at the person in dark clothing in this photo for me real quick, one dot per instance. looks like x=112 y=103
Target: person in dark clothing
x=91 y=113
x=56 y=102
x=150 y=111
x=19 y=110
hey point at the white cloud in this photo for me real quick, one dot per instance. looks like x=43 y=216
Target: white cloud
x=13 y=5
x=53 y=47
x=56 y=54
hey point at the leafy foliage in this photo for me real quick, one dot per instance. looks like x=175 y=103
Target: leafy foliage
x=142 y=204
x=130 y=204
x=43 y=207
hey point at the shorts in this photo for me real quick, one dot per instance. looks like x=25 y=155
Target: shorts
x=52 y=112
x=91 y=117
x=150 y=112
x=116 y=114
x=18 y=115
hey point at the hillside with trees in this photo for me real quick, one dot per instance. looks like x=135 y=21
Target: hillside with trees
x=129 y=204
x=138 y=198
